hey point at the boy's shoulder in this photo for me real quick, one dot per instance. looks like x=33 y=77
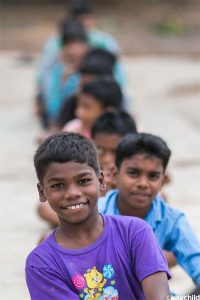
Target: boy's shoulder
x=165 y=210
x=41 y=255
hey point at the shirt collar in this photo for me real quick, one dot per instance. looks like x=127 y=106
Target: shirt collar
x=154 y=215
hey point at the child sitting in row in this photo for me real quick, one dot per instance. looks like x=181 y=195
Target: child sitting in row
x=141 y=161
x=107 y=131
x=61 y=78
x=89 y=256
x=94 y=98
x=98 y=62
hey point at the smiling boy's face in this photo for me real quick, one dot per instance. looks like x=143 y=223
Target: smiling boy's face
x=72 y=190
x=139 y=180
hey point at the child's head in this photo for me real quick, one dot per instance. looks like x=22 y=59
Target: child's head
x=82 y=11
x=143 y=143
x=65 y=147
x=97 y=96
x=74 y=42
x=141 y=161
x=97 y=62
x=108 y=130
x=69 y=176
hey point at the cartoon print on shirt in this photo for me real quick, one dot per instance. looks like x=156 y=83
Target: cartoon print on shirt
x=78 y=281
x=95 y=282
x=95 y=285
x=108 y=271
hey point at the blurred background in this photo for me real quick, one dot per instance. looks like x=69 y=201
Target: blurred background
x=160 y=53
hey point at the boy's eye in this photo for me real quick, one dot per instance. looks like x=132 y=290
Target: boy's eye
x=84 y=181
x=133 y=173
x=57 y=185
x=154 y=176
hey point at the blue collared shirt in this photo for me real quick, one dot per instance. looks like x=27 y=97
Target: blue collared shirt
x=171 y=228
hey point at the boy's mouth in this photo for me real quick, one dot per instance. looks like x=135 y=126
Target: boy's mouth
x=74 y=206
x=141 y=196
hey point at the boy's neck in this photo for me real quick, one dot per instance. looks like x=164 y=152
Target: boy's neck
x=77 y=236
x=127 y=210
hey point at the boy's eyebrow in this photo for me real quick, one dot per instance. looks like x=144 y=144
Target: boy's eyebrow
x=132 y=168
x=84 y=173
x=81 y=174
x=137 y=168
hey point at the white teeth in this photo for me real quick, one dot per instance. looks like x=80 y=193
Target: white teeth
x=76 y=206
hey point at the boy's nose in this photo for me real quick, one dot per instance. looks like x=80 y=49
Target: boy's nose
x=143 y=182
x=72 y=194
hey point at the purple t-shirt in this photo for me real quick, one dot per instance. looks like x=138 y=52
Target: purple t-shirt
x=111 y=268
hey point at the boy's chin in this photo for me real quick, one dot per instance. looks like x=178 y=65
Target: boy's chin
x=76 y=219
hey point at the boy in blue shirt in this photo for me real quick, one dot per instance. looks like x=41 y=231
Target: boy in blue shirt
x=89 y=256
x=141 y=161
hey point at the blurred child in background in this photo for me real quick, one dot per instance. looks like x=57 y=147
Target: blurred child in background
x=81 y=13
x=107 y=131
x=98 y=62
x=63 y=80
x=94 y=98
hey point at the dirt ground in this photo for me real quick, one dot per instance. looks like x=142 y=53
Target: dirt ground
x=142 y=28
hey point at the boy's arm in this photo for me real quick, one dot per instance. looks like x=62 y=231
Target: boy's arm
x=46 y=284
x=186 y=248
x=170 y=258
x=156 y=287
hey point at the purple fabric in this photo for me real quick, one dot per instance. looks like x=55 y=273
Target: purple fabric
x=111 y=268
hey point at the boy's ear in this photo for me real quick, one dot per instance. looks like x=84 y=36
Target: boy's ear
x=167 y=178
x=40 y=191
x=115 y=173
x=102 y=182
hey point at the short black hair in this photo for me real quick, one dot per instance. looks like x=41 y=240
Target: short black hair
x=65 y=147
x=72 y=30
x=142 y=143
x=105 y=90
x=78 y=8
x=98 y=62
x=114 y=122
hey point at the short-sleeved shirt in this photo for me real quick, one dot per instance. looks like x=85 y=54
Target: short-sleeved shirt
x=171 y=228
x=113 y=266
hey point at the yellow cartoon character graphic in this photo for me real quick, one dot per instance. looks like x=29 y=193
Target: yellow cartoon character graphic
x=95 y=283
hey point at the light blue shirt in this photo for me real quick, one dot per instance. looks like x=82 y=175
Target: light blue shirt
x=96 y=39
x=171 y=228
x=56 y=91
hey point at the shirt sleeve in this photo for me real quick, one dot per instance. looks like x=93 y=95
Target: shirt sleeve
x=147 y=256
x=186 y=248
x=46 y=284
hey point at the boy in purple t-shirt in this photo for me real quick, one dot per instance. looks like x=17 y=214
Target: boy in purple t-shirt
x=89 y=256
